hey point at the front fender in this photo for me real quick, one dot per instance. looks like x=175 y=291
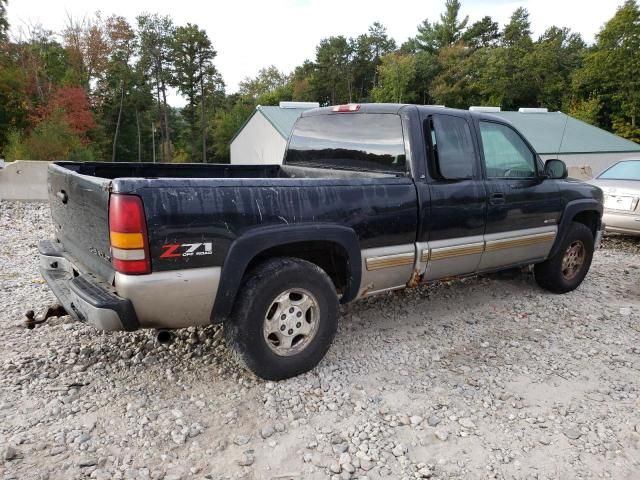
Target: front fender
x=248 y=246
x=571 y=209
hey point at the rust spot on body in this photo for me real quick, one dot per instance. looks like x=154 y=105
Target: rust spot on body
x=415 y=279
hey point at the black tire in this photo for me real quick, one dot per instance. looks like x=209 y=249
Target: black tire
x=261 y=287
x=550 y=274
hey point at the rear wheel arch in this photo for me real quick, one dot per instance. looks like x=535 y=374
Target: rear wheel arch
x=324 y=245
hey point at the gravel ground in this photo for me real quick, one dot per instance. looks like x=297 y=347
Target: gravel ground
x=489 y=377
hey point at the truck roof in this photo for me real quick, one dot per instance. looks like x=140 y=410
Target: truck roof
x=395 y=108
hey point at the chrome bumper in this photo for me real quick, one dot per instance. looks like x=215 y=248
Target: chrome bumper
x=84 y=296
x=171 y=299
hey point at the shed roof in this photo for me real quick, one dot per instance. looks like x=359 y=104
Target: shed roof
x=549 y=132
x=556 y=132
x=282 y=119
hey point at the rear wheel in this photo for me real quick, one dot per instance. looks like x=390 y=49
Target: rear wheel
x=566 y=269
x=284 y=319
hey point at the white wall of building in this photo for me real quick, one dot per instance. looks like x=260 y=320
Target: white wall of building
x=258 y=143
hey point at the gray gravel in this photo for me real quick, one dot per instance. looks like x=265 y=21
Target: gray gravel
x=488 y=377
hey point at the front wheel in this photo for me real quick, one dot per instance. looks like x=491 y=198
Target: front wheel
x=284 y=319
x=566 y=269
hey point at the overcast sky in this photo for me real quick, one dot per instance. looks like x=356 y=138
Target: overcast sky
x=249 y=35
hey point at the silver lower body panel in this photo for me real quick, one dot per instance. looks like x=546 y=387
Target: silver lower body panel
x=171 y=299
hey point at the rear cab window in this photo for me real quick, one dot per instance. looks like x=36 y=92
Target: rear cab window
x=453 y=153
x=349 y=141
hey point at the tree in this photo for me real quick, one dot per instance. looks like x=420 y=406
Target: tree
x=155 y=35
x=122 y=47
x=434 y=36
x=555 y=55
x=4 y=22
x=611 y=71
x=456 y=85
x=518 y=29
x=226 y=124
x=267 y=80
x=369 y=48
x=396 y=73
x=302 y=83
x=503 y=74
x=44 y=61
x=85 y=42
x=482 y=34
x=14 y=99
x=333 y=77
x=192 y=55
x=70 y=105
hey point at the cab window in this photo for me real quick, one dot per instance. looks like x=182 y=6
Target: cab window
x=506 y=155
x=452 y=147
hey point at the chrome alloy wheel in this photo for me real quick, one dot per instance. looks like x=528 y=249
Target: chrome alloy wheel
x=291 y=322
x=573 y=260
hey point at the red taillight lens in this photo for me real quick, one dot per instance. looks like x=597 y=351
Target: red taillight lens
x=128 y=235
x=349 y=107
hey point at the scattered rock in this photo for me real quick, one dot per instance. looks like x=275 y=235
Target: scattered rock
x=9 y=453
x=246 y=459
x=572 y=433
x=266 y=432
x=433 y=420
x=241 y=439
x=472 y=356
x=467 y=423
x=85 y=462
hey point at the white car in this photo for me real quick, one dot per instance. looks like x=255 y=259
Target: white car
x=621 y=186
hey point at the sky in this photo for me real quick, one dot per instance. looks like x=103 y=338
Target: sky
x=249 y=35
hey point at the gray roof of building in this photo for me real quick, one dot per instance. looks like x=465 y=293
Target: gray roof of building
x=550 y=133
x=556 y=132
x=282 y=119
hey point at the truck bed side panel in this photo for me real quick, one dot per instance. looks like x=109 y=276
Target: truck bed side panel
x=193 y=225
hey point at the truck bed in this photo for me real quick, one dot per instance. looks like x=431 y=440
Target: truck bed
x=208 y=170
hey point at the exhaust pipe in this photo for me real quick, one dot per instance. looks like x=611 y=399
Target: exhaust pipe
x=164 y=337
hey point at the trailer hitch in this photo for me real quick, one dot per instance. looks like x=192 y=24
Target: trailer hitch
x=51 y=311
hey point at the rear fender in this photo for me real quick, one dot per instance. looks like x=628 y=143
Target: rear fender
x=244 y=249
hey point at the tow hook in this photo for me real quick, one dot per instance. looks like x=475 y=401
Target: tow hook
x=51 y=311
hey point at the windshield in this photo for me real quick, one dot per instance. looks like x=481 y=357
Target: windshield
x=349 y=141
x=627 y=170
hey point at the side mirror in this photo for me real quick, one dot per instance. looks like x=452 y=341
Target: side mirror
x=555 y=169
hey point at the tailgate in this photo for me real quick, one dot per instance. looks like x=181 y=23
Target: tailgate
x=80 y=212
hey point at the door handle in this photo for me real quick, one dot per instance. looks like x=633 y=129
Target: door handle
x=497 y=199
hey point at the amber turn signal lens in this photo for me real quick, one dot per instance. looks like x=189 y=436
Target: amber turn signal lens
x=127 y=240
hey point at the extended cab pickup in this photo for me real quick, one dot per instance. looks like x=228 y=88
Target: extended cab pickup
x=370 y=198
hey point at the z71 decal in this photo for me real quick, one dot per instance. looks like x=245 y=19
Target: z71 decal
x=172 y=250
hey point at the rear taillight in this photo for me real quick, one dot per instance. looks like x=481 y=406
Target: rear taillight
x=128 y=234
x=349 y=107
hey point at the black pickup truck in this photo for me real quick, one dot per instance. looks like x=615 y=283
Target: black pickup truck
x=370 y=198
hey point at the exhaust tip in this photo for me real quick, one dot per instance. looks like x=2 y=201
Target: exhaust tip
x=164 y=337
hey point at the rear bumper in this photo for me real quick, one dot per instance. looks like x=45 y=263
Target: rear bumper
x=622 y=222
x=85 y=297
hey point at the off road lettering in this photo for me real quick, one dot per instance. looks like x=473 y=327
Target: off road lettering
x=172 y=250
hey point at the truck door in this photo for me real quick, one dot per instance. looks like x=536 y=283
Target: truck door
x=523 y=209
x=450 y=241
